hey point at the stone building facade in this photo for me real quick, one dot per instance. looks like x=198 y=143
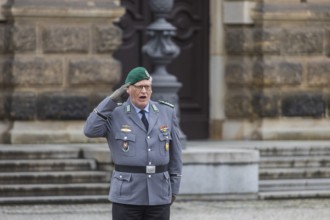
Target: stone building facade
x=56 y=64
x=269 y=68
x=276 y=70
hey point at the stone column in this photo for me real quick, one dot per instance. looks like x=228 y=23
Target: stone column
x=217 y=63
x=57 y=66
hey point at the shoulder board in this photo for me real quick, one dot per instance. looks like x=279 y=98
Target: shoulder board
x=166 y=103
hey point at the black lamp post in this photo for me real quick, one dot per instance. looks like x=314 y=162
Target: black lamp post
x=162 y=50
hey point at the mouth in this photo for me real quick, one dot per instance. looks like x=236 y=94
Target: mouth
x=142 y=98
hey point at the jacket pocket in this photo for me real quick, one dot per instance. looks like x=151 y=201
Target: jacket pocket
x=127 y=144
x=120 y=185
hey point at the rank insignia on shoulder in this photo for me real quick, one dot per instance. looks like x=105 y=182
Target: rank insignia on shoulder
x=166 y=103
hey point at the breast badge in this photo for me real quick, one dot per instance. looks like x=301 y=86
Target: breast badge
x=167 y=146
x=125 y=129
x=164 y=130
x=125 y=146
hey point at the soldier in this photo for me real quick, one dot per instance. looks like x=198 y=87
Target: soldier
x=143 y=137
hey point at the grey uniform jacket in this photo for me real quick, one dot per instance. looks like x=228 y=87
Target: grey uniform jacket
x=130 y=144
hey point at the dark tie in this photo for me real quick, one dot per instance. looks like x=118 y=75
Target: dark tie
x=144 y=119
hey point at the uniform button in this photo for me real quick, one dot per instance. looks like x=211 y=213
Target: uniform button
x=149 y=149
x=149 y=176
x=149 y=163
x=148 y=137
x=120 y=177
x=125 y=138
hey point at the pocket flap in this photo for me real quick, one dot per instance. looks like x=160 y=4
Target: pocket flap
x=123 y=176
x=125 y=137
x=163 y=137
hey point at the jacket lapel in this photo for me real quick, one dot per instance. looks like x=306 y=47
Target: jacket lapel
x=152 y=119
x=153 y=115
x=130 y=111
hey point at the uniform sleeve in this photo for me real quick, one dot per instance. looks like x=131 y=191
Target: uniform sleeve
x=99 y=120
x=175 y=165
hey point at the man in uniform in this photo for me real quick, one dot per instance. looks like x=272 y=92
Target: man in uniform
x=143 y=137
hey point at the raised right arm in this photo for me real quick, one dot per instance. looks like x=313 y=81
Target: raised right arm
x=98 y=121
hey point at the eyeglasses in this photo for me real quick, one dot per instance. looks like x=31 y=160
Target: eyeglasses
x=139 y=88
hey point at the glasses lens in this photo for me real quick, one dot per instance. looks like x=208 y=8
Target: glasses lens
x=139 y=88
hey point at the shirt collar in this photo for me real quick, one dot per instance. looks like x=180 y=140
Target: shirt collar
x=146 y=109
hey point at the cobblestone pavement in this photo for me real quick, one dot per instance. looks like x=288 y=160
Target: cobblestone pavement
x=316 y=209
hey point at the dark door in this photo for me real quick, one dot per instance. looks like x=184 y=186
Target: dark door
x=191 y=18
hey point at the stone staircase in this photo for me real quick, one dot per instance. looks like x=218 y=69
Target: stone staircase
x=60 y=174
x=294 y=170
x=37 y=174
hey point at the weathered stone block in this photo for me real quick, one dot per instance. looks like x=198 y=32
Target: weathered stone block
x=237 y=73
x=4 y=39
x=327 y=42
x=62 y=106
x=327 y=105
x=70 y=39
x=264 y=74
x=266 y=104
x=238 y=104
x=303 y=104
x=2 y=105
x=94 y=71
x=107 y=38
x=24 y=38
x=238 y=41
x=290 y=73
x=302 y=41
x=36 y=72
x=6 y=69
x=2 y=75
x=318 y=73
x=23 y=106
x=267 y=41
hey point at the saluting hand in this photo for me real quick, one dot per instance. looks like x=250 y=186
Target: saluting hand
x=116 y=96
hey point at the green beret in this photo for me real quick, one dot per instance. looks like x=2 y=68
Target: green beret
x=137 y=74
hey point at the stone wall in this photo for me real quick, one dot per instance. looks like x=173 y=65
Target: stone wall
x=277 y=72
x=56 y=64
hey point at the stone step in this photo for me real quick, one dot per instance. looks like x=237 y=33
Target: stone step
x=295 y=150
x=55 y=177
x=295 y=194
x=294 y=185
x=291 y=162
x=54 y=199
x=13 y=190
x=47 y=165
x=17 y=152
x=294 y=173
